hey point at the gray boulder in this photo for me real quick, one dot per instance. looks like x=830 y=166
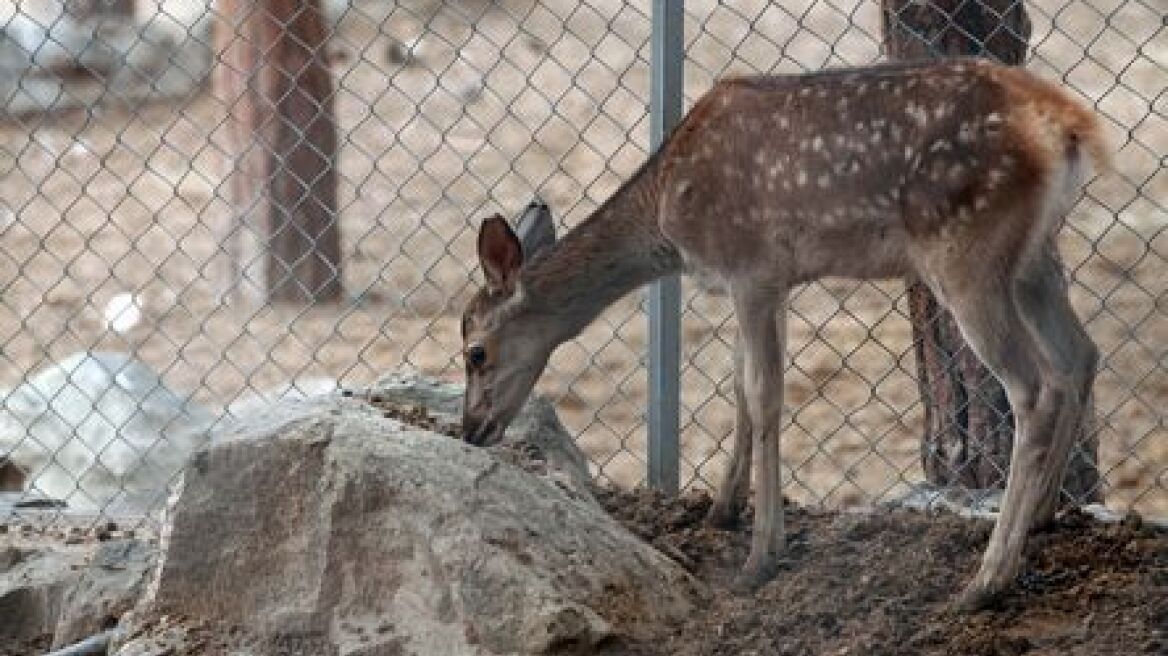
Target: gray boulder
x=325 y=525
x=105 y=589
x=67 y=589
x=100 y=431
x=536 y=431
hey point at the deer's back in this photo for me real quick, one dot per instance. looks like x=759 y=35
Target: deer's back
x=836 y=173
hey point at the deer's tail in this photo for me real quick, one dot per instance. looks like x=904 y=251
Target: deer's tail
x=1058 y=124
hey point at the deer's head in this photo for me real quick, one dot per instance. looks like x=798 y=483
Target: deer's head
x=505 y=346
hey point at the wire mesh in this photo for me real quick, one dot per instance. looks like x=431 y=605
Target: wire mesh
x=117 y=214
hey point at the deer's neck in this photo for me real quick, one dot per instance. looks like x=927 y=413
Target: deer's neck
x=617 y=249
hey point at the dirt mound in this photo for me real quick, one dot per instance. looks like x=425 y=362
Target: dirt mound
x=881 y=583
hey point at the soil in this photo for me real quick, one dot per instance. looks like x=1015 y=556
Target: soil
x=131 y=199
x=416 y=415
x=882 y=583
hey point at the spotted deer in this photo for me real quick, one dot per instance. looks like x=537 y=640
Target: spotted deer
x=957 y=172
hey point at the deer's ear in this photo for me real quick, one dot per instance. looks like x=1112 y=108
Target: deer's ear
x=536 y=228
x=500 y=254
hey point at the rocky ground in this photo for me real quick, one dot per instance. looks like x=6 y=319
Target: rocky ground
x=852 y=583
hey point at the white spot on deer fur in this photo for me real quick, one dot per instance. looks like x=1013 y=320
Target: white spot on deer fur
x=980 y=203
x=759 y=157
x=941 y=111
x=682 y=187
x=965 y=133
x=956 y=171
x=824 y=180
x=801 y=178
x=805 y=92
x=775 y=169
x=917 y=113
x=993 y=118
x=784 y=122
x=883 y=85
x=908 y=153
x=817 y=143
x=938 y=146
x=855 y=166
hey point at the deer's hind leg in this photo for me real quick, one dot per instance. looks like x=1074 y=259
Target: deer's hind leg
x=1021 y=326
x=1069 y=359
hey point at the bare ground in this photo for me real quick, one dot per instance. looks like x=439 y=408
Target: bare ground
x=874 y=584
x=129 y=199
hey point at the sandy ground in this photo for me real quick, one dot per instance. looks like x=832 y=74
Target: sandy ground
x=508 y=98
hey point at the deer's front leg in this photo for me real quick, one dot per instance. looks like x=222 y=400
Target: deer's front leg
x=731 y=495
x=763 y=337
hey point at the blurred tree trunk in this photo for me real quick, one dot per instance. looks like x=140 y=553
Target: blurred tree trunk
x=968 y=424
x=283 y=243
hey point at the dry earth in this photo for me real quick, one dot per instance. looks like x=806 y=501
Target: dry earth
x=881 y=584
x=504 y=98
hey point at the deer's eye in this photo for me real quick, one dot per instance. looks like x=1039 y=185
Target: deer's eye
x=476 y=355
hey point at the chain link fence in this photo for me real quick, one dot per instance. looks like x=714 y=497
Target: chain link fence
x=121 y=345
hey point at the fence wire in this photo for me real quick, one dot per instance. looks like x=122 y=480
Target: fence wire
x=117 y=214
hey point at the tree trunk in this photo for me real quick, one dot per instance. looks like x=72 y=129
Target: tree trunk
x=283 y=241
x=968 y=424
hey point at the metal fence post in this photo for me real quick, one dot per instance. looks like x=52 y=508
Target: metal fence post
x=666 y=59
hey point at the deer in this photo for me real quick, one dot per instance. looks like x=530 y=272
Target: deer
x=960 y=173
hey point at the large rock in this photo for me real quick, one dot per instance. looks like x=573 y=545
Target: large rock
x=66 y=587
x=324 y=525
x=106 y=588
x=100 y=431
x=32 y=584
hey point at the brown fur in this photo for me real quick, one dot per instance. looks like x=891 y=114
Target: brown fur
x=958 y=172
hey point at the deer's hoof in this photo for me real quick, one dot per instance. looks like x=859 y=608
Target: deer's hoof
x=976 y=597
x=723 y=517
x=755 y=575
